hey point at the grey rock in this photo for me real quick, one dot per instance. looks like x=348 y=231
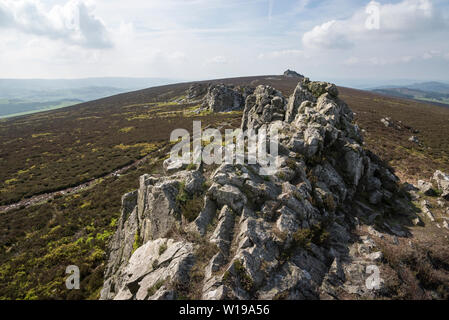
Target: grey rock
x=228 y=195
x=426 y=188
x=222 y=235
x=292 y=74
x=375 y=197
x=171 y=166
x=387 y=122
x=414 y=139
x=287 y=221
x=300 y=95
x=417 y=221
x=441 y=179
x=445 y=224
x=264 y=106
x=223 y=98
x=196 y=91
x=205 y=217
x=426 y=210
x=149 y=268
x=375 y=256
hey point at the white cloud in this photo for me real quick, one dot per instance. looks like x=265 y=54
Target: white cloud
x=204 y=39
x=177 y=56
x=218 y=60
x=74 y=22
x=327 y=36
x=431 y=54
x=282 y=54
x=352 y=61
x=403 y=20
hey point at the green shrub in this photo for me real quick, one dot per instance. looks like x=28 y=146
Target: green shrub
x=329 y=203
x=317 y=235
x=162 y=248
x=152 y=290
x=291 y=164
x=137 y=241
x=245 y=280
x=182 y=196
x=190 y=206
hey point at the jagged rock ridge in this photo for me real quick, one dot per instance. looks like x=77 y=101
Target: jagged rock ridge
x=288 y=236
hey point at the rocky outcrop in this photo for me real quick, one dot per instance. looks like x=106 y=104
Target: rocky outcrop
x=264 y=106
x=426 y=188
x=441 y=180
x=224 y=98
x=196 y=91
x=285 y=236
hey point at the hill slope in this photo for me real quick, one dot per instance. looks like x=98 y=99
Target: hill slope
x=60 y=149
x=22 y=96
x=436 y=92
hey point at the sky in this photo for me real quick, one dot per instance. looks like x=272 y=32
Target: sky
x=208 y=39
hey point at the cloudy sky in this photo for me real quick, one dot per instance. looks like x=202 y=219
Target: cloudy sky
x=204 y=39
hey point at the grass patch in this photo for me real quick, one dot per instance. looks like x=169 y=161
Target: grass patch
x=152 y=290
x=190 y=206
x=162 y=248
x=126 y=129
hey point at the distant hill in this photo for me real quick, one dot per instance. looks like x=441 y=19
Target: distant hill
x=436 y=92
x=21 y=96
x=434 y=86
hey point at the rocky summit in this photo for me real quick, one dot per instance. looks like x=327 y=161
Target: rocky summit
x=292 y=74
x=228 y=233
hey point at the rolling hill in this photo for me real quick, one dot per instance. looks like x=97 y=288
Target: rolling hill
x=18 y=97
x=436 y=92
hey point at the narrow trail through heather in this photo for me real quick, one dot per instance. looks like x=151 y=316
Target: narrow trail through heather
x=25 y=203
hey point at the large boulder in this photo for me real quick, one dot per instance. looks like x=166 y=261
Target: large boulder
x=441 y=180
x=426 y=188
x=151 y=272
x=223 y=98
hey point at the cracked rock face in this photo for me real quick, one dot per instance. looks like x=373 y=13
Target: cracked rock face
x=286 y=236
x=224 y=98
x=196 y=91
x=151 y=271
x=264 y=106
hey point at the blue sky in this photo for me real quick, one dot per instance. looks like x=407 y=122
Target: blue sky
x=204 y=39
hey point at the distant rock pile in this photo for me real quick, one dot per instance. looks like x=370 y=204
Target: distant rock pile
x=292 y=74
x=286 y=236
